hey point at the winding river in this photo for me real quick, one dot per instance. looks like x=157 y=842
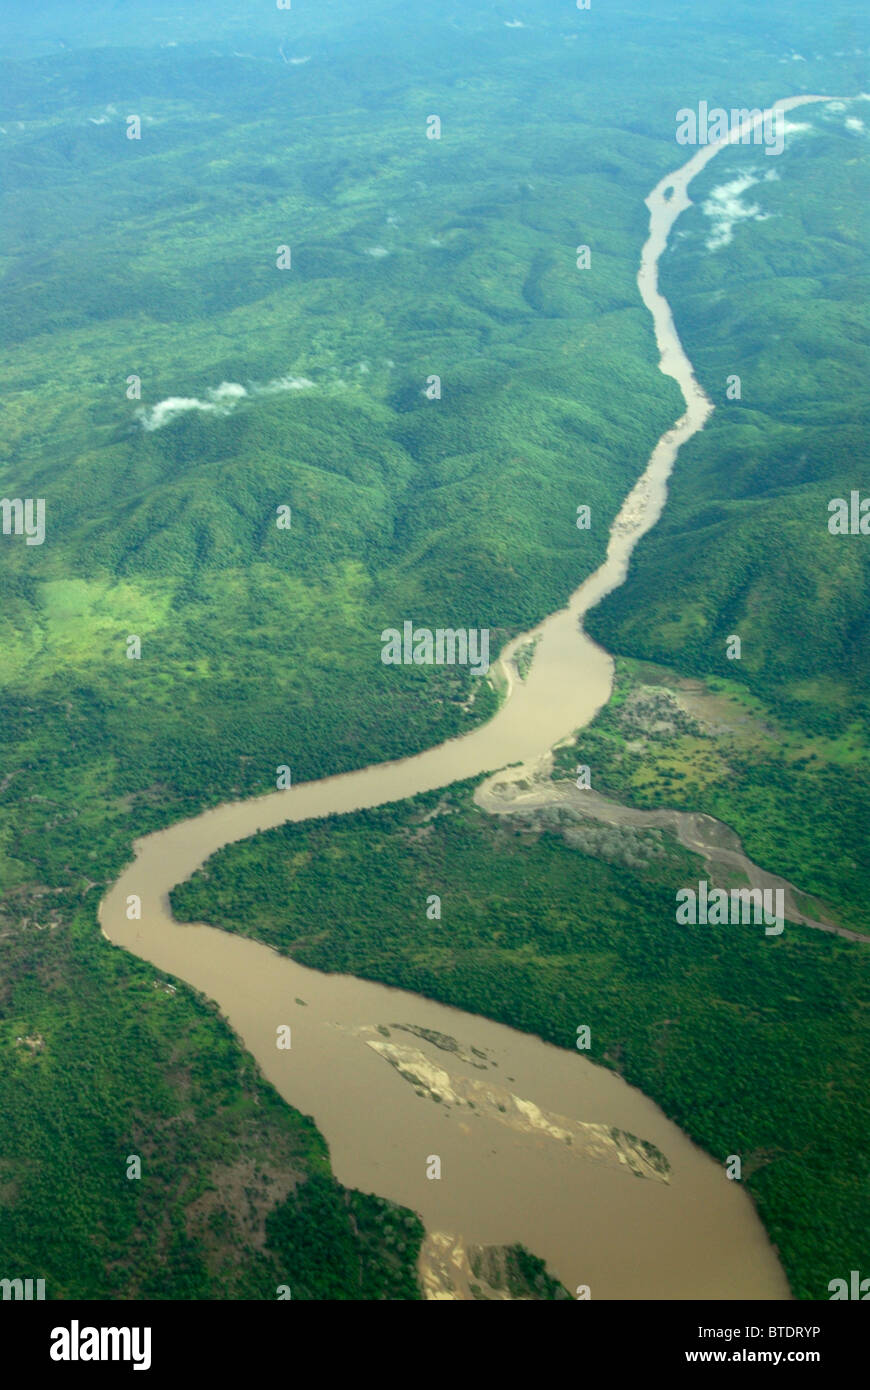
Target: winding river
x=535 y=1143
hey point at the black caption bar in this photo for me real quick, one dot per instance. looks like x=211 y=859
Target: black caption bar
x=85 y=1340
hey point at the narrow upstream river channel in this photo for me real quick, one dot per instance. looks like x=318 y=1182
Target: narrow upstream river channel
x=536 y=1143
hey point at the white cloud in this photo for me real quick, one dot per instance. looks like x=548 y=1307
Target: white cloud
x=725 y=209
x=283 y=383
x=220 y=400
x=227 y=391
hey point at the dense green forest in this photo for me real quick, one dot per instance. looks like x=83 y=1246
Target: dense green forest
x=155 y=259
x=260 y=645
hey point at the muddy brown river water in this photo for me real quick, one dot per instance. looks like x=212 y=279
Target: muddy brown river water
x=536 y=1144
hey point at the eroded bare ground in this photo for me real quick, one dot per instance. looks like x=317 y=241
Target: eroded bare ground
x=529 y=792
